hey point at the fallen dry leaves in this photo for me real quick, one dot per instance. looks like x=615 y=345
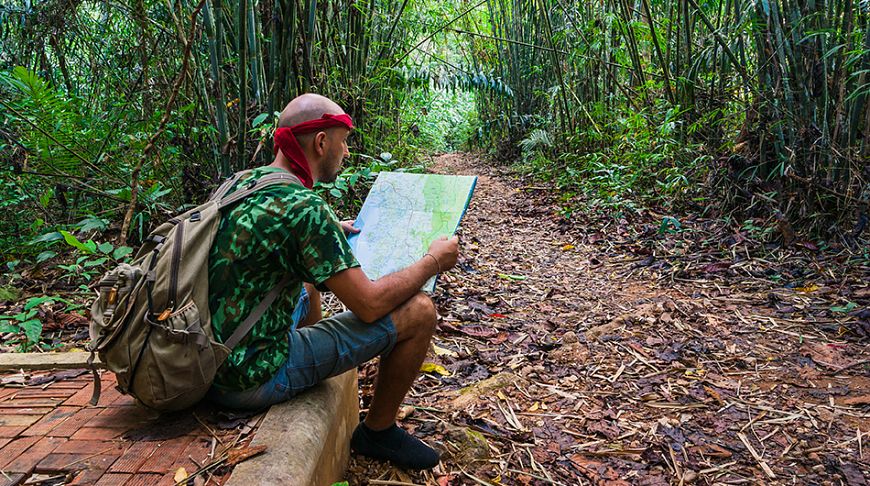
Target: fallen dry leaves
x=605 y=352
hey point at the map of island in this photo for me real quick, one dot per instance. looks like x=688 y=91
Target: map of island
x=403 y=214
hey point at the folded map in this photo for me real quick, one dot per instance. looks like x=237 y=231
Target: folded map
x=403 y=214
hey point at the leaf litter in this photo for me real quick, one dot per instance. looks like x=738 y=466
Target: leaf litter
x=609 y=351
x=628 y=355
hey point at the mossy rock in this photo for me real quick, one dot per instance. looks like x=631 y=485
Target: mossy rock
x=472 y=445
x=472 y=393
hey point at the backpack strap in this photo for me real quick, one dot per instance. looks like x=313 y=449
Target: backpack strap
x=224 y=188
x=98 y=382
x=256 y=185
x=256 y=314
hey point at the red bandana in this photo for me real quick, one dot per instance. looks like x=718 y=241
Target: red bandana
x=285 y=141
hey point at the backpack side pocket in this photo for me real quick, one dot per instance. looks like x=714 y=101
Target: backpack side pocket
x=179 y=361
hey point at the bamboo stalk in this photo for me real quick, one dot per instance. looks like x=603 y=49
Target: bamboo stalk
x=436 y=31
x=721 y=42
x=564 y=114
x=241 y=22
x=217 y=83
x=389 y=38
x=631 y=41
x=254 y=46
x=149 y=147
x=655 y=40
x=307 y=41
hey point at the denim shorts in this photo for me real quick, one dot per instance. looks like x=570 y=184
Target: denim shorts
x=325 y=349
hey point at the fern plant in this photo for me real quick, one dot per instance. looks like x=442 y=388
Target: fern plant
x=49 y=125
x=536 y=141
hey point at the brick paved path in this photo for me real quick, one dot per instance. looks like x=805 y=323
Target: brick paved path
x=51 y=429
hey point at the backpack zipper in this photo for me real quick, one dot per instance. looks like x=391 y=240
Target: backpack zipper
x=173 y=272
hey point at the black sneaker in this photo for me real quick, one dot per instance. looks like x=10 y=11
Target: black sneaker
x=395 y=445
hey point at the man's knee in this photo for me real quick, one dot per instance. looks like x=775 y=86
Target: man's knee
x=423 y=309
x=416 y=316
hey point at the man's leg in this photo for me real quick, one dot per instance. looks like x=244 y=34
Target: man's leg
x=342 y=342
x=415 y=322
x=379 y=436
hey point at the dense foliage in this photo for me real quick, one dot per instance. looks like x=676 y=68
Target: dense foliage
x=748 y=104
x=114 y=115
x=122 y=113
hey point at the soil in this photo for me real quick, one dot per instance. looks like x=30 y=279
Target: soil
x=641 y=348
x=604 y=351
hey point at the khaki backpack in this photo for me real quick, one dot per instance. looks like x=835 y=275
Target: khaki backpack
x=150 y=323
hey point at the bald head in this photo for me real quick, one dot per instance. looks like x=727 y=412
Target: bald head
x=307 y=107
x=324 y=150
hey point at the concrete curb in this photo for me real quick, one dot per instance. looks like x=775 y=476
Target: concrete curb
x=46 y=361
x=307 y=437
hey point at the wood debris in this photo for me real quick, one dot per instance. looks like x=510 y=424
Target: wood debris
x=636 y=357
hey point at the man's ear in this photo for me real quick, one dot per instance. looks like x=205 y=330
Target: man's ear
x=320 y=143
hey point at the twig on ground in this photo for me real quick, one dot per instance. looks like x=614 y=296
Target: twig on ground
x=764 y=466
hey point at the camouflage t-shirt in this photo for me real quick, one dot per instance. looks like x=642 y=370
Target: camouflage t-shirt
x=278 y=230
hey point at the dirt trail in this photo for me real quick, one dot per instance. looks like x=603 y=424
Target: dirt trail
x=569 y=365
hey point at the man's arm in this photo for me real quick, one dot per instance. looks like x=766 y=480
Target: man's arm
x=372 y=300
x=315 y=307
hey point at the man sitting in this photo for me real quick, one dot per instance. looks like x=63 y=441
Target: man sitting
x=287 y=230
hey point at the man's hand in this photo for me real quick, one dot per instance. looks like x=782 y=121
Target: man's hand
x=446 y=251
x=372 y=300
x=348 y=228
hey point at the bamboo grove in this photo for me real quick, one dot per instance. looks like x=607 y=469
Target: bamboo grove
x=120 y=104
x=763 y=102
x=120 y=112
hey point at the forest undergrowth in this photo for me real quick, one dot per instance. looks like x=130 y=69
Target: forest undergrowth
x=566 y=354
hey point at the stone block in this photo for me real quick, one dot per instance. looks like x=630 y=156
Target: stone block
x=45 y=361
x=307 y=437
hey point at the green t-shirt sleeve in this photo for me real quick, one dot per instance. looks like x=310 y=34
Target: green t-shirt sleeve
x=317 y=247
